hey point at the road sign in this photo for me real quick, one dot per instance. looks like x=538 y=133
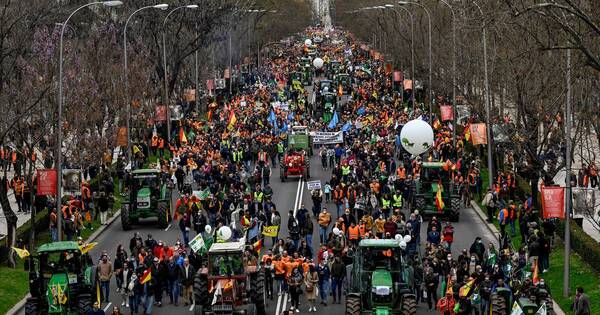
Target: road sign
x=314 y=184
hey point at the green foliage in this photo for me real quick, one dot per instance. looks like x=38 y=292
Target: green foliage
x=583 y=244
x=14 y=285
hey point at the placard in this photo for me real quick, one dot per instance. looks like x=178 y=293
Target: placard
x=161 y=113
x=122 y=137
x=478 y=134
x=46 y=182
x=313 y=184
x=323 y=137
x=397 y=76
x=553 y=202
x=447 y=112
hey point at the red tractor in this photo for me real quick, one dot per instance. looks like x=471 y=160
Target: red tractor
x=226 y=286
x=294 y=163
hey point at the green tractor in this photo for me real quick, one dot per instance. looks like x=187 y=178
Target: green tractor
x=434 y=177
x=152 y=199
x=299 y=139
x=381 y=282
x=62 y=280
x=345 y=81
x=501 y=302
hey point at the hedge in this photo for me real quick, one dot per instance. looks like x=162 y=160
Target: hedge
x=587 y=247
x=42 y=221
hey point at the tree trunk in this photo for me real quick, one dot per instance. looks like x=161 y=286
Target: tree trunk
x=29 y=179
x=534 y=190
x=11 y=220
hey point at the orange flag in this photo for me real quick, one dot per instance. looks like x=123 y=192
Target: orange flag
x=182 y=137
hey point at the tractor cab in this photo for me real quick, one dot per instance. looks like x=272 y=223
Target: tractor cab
x=381 y=283
x=344 y=80
x=151 y=198
x=435 y=180
x=61 y=280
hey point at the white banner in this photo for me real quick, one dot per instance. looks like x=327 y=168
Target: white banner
x=313 y=184
x=322 y=137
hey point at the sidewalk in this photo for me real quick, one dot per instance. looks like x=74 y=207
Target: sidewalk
x=22 y=217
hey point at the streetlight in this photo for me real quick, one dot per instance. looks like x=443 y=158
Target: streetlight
x=430 y=63
x=453 y=72
x=164 y=42
x=487 y=101
x=60 y=105
x=127 y=100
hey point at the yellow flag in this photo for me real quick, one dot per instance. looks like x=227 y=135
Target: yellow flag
x=87 y=247
x=62 y=298
x=98 y=292
x=270 y=231
x=22 y=253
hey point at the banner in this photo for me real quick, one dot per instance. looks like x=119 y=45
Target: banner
x=210 y=85
x=462 y=114
x=478 y=133
x=447 y=112
x=408 y=84
x=46 y=182
x=189 y=95
x=270 y=231
x=553 y=202
x=397 y=76
x=71 y=182
x=161 y=113
x=226 y=74
x=176 y=112
x=313 y=184
x=388 y=68
x=122 y=137
x=322 y=137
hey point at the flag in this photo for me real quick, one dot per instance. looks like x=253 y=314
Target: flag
x=443 y=287
x=182 y=137
x=147 y=276
x=439 y=202
x=467 y=289
x=340 y=90
x=232 y=120
x=436 y=124
x=87 y=247
x=535 y=276
x=257 y=246
x=516 y=309
x=361 y=111
x=62 y=298
x=284 y=128
x=290 y=116
x=467 y=132
x=272 y=119
x=98 y=292
x=197 y=243
x=22 y=253
x=270 y=231
x=218 y=291
x=492 y=257
x=334 y=121
x=346 y=127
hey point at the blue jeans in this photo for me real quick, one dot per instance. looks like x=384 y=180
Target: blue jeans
x=105 y=289
x=134 y=301
x=174 y=291
x=186 y=237
x=148 y=302
x=340 y=208
x=324 y=290
x=323 y=234
x=54 y=233
x=336 y=288
x=308 y=239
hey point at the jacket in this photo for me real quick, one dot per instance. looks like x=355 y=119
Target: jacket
x=189 y=280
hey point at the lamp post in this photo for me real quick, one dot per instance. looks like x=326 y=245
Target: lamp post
x=126 y=76
x=430 y=51
x=490 y=141
x=60 y=106
x=166 y=88
x=453 y=72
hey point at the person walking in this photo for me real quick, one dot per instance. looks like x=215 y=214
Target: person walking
x=489 y=201
x=311 y=281
x=185 y=225
x=582 y=303
x=338 y=271
x=295 y=287
x=105 y=273
x=173 y=276
x=324 y=221
x=323 y=276
x=187 y=273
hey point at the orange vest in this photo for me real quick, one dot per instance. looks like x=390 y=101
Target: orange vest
x=401 y=173
x=154 y=141
x=362 y=229
x=279 y=267
x=161 y=143
x=353 y=233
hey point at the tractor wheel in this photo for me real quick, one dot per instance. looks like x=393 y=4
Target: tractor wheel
x=352 y=305
x=257 y=287
x=498 y=304
x=420 y=203
x=549 y=306
x=125 y=221
x=200 y=293
x=162 y=214
x=84 y=303
x=455 y=207
x=32 y=307
x=249 y=309
x=282 y=173
x=409 y=305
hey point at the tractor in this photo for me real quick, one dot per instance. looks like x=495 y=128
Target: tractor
x=433 y=178
x=344 y=80
x=501 y=302
x=226 y=286
x=149 y=196
x=294 y=163
x=61 y=280
x=299 y=138
x=381 y=282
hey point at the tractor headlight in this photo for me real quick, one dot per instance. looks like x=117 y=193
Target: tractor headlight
x=290 y=165
x=381 y=290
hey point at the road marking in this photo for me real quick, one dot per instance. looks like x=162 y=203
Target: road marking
x=297 y=195
x=192 y=307
x=277 y=309
x=285 y=298
x=107 y=306
x=168 y=227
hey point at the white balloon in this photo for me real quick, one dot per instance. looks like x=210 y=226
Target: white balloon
x=336 y=231
x=308 y=42
x=402 y=244
x=224 y=233
x=416 y=137
x=398 y=237
x=208 y=229
x=318 y=63
x=407 y=238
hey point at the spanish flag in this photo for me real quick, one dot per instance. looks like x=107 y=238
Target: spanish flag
x=22 y=253
x=257 y=246
x=182 y=137
x=535 y=277
x=439 y=202
x=436 y=124
x=147 y=276
x=467 y=132
x=231 y=121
